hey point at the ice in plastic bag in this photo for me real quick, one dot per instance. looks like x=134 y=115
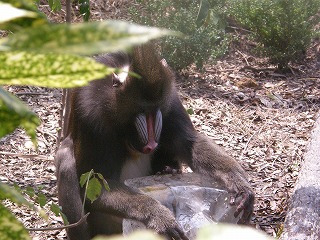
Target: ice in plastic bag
x=195 y=200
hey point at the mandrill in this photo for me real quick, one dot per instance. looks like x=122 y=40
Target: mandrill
x=124 y=126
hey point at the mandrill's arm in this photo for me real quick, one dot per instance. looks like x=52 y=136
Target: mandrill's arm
x=181 y=142
x=123 y=202
x=209 y=159
x=69 y=190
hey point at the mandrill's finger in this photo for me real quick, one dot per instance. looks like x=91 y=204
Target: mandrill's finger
x=241 y=206
x=176 y=234
x=245 y=218
x=245 y=205
x=232 y=200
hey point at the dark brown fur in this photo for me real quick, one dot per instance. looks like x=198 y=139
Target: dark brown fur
x=100 y=128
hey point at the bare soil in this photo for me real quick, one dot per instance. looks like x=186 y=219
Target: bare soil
x=261 y=117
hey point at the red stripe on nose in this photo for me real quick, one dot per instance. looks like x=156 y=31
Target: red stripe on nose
x=152 y=144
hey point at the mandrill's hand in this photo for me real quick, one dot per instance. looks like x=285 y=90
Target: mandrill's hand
x=163 y=222
x=209 y=159
x=243 y=198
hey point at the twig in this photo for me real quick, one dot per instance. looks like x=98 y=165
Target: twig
x=68 y=11
x=292 y=70
x=22 y=155
x=249 y=140
x=244 y=56
x=308 y=78
x=240 y=29
x=61 y=227
x=48 y=133
x=65 y=111
x=221 y=70
x=31 y=93
x=256 y=69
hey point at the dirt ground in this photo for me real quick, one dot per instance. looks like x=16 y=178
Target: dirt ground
x=261 y=117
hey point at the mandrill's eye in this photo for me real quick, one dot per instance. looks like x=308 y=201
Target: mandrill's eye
x=116 y=82
x=120 y=77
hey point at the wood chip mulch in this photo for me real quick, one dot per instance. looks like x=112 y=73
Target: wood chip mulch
x=261 y=117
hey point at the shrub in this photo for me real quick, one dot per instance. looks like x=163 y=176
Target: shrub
x=283 y=28
x=201 y=42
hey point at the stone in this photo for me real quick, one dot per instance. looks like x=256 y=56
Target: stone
x=303 y=216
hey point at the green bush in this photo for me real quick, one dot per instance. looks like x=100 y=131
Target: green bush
x=283 y=28
x=201 y=42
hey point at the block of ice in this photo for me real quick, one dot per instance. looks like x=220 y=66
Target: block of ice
x=194 y=199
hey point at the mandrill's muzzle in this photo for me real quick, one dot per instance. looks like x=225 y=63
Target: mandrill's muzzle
x=149 y=128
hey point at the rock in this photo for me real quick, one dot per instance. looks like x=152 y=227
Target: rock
x=303 y=216
x=195 y=200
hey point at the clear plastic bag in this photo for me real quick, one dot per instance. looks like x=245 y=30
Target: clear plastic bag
x=195 y=200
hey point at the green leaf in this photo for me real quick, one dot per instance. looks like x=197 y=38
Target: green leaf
x=10 y=193
x=49 y=70
x=10 y=227
x=85 y=9
x=203 y=12
x=64 y=218
x=8 y=12
x=58 y=212
x=55 y=209
x=13 y=113
x=30 y=191
x=105 y=184
x=94 y=189
x=84 y=38
x=190 y=111
x=55 y=5
x=41 y=199
x=85 y=177
x=100 y=176
x=14 y=194
x=42 y=213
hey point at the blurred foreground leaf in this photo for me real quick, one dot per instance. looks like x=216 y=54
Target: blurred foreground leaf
x=230 y=231
x=49 y=70
x=85 y=38
x=10 y=227
x=8 y=12
x=139 y=235
x=13 y=113
x=203 y=12
x=18 y=14
x=12 y=194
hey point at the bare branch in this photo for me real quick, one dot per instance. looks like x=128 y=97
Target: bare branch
x=61 y=227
